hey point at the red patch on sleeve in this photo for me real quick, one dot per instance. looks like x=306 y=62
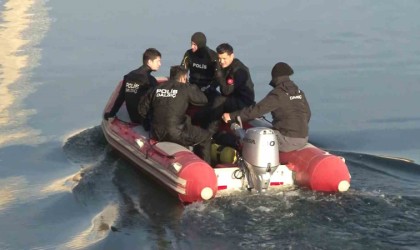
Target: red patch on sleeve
x=230 y=81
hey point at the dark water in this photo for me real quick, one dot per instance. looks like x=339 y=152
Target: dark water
x=62 y=187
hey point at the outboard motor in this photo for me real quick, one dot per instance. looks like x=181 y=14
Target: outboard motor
x=260 y=152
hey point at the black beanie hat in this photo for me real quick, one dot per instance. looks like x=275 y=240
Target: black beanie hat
x=200 y=39
x=281 y=69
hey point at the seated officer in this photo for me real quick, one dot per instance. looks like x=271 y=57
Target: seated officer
x=135 y=85
x=168 y=104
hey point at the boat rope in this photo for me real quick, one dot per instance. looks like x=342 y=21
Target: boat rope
x=241 y=171
x=238 y=174
x=265 y=119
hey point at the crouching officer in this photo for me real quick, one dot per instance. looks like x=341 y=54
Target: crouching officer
x=168 y=104
x=236 y=86
x=288 y=106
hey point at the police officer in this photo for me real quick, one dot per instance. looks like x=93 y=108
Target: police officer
x=288 y=106
x=235 y=82
x=168 y=104
x=135 y=85
x=201 y=61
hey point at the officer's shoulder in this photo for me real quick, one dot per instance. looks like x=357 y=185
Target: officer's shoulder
x=211 y=51
x=213 y=54
x=135 y=74
x=137 y=71
x=192 y=86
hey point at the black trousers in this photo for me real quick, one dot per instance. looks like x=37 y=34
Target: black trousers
x=188 y=135
x=201 y=117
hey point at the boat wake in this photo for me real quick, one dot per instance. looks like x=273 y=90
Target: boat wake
x=105 y=180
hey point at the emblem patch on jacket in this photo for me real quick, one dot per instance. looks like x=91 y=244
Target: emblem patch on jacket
x=230 y=81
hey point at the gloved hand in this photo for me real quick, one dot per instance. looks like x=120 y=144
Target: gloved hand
x=107 y=115
x=214 y=85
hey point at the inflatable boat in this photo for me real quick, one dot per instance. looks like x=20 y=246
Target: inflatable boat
x=255 y=166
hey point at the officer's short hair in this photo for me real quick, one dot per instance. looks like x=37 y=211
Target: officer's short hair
x=150 y=54
x=177 y=72
x=224 y=48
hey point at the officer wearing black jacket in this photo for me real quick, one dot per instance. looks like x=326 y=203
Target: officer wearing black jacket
x=168 y=104
x=135 y=85
x=235 y=82
x=288 y=106
x=201 y=61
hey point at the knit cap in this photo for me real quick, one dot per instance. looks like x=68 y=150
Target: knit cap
x=281 y=69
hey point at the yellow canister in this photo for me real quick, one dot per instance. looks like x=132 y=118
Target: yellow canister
x=222 y=154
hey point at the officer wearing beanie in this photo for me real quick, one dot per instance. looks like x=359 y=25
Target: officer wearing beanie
x=288 y=106
x=201 y=61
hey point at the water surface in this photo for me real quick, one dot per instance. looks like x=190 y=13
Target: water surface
x=62 y=187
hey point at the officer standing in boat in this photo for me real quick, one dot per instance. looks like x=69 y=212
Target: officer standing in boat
x=201 y=62
x=288 y=106
x=135 y=85
x=168 y=104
